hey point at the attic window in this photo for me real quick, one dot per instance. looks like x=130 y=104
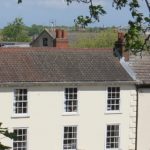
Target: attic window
x=45 y=42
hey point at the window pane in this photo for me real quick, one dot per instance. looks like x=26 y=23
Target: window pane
x=20 y=101
x=112 y=139
x=70 y=100
x=21 y=139
x=70 y=135
x=113 y=98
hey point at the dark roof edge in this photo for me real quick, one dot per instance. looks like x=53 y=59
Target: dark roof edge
x=25 y=84
x=143 y=84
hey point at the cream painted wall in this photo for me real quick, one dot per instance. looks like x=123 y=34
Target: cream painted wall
x=144 y=119
x=46 y=118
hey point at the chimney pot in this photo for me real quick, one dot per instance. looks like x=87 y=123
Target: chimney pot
x=120 y=44
x=64 y=34
x=61 y=40
x=58 y=33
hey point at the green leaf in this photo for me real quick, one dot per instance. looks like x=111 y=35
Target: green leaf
x=19 y=1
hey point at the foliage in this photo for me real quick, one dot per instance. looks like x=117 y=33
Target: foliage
x=140 y=24
x=15 y=31
x=137 y=27
x=35 y=30
x=4 y=133
x=103 y=39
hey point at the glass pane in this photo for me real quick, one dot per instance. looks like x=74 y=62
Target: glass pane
x=25 y=91
x=112 y=145
x=113 y=89
x=118 y=89
x=70 y=129
x=70 y=90
x=109 y=89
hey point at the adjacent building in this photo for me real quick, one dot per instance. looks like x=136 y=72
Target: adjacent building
x=50 y=38
x=138 y=66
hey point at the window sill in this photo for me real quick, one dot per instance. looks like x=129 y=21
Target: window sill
x=113 y=112
x=113 y=149
x=70 y=114
x=20 y=116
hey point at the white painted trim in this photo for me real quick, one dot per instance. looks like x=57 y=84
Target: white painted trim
x=20 y=115
x=119 y=135
x=112 y=112
x=70 y=113
x=27 y=135
x=63 y=135
x=120 y=103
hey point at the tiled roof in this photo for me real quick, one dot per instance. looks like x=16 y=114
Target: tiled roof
x=141 y=67
x=59 y=65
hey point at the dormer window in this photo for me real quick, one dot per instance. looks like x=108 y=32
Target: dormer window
x=45 y=42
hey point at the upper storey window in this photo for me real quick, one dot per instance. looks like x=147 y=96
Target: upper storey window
x=71 y=102
x=20 y=101
x=113 y=99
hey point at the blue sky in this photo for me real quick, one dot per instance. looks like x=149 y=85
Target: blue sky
x=44 y=11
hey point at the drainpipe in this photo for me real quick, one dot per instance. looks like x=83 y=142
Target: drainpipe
x=137 y=108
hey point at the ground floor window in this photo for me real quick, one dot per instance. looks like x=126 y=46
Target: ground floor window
x=20 y=142
x=112 y=137
x=70 y=138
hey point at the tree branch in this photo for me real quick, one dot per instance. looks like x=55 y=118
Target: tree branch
x=148 y=5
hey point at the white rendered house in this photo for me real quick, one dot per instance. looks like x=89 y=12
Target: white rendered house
x=66 y=99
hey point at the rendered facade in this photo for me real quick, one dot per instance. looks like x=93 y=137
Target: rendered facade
x=66 y=99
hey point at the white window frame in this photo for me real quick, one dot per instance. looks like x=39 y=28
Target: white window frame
x=113 y=111
x=22 y=114
x=119 y=142
x=21 y=141
x=77 y=102
x=76 y=138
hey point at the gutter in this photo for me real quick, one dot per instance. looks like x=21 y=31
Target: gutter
x=23 y=84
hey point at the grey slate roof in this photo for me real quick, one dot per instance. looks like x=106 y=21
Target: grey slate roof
x=141 y=67
x=59 y=65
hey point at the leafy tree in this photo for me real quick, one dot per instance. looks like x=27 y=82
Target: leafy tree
x=4 y=133
x=15 y=31
x=102 y=39
x=138 y=26
x=35 y=29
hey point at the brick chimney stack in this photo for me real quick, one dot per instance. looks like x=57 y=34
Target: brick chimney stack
x=120 y=45
x=61 y=40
